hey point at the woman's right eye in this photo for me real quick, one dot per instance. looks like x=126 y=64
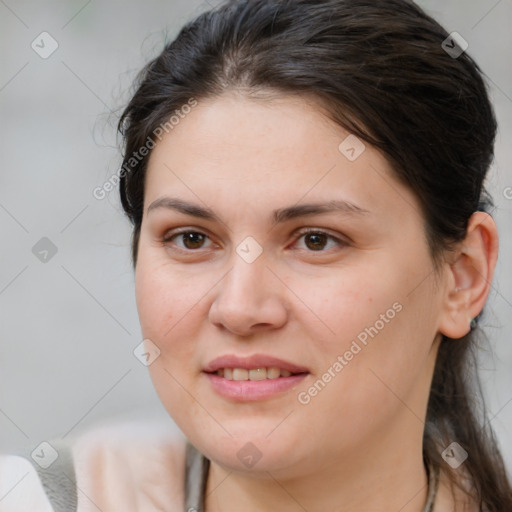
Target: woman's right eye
x=190 y=240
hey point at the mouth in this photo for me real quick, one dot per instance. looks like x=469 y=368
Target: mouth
x=254 y=374
x=258 y=377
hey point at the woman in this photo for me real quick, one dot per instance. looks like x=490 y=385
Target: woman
x=312 y=253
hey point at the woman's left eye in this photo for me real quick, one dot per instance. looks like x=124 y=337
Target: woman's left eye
x=317 y=240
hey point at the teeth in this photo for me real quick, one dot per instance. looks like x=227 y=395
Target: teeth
x=240 y=374
x=252 y=374
x=258 y=374
x=273 y=373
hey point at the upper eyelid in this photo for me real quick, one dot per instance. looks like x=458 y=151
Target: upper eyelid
x=305 y=231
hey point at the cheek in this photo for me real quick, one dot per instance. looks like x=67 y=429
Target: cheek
x=350 y=301
x=163 y=294
x=154 y=299
x=167 y=317
x=377 y=326
x=173 y=308
x=165 y=304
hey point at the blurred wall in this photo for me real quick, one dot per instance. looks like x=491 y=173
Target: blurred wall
x=68 y=322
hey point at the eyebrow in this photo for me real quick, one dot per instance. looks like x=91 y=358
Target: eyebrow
x=278 y=216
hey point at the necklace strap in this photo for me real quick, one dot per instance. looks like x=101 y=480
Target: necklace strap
x=196 y=473
x=433 y=483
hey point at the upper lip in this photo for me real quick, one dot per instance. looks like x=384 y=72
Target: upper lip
x=254 y=361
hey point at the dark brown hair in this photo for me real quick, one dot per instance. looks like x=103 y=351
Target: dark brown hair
x=380 y=70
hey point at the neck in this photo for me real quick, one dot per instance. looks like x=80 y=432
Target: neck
x=388 y=474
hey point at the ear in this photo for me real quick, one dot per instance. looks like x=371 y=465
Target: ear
x=469 y=276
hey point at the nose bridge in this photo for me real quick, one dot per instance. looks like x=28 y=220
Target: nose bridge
x=247 y=281
x=246 y=298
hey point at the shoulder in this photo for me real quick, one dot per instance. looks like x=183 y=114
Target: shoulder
x=130 y=467
x=20 y=486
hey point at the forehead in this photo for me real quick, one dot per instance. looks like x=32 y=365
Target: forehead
x=266 y=152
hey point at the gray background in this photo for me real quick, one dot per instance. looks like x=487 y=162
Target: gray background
x=69 y=326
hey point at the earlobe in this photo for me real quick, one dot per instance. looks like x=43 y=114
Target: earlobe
x=470 y=276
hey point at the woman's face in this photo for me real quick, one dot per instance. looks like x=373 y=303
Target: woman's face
x=226 y=270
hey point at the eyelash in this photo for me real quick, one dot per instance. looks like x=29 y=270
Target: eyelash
x=168 y=239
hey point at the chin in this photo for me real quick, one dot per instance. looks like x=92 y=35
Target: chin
x=250 y=451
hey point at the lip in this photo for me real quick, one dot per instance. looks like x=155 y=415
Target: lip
x=253 y=390
x=254 y=361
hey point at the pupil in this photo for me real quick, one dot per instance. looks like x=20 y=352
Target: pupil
x=193 y=240
x=318 y=241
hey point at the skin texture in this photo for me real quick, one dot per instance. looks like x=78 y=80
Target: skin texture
x=357 y=444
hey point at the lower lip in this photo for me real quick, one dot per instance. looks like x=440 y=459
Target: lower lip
x=253 y=390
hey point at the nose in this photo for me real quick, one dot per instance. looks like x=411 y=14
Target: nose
x=250 y=298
